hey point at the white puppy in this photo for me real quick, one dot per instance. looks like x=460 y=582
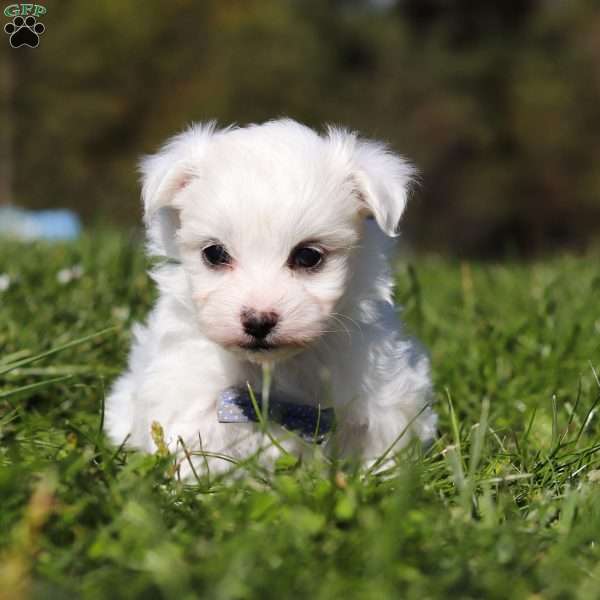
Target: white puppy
x=273 y=258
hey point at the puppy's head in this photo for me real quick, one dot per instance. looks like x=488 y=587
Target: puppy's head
x=265 y=220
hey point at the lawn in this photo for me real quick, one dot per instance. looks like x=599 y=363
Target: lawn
x=506 y=504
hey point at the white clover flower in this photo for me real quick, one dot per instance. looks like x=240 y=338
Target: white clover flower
x=68 y=274
x=4 y=282
x=64 y=276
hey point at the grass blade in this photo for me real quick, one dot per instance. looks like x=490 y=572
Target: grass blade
x=26 y=361
x=32 y=386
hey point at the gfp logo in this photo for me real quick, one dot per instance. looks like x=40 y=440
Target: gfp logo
x=24 y=29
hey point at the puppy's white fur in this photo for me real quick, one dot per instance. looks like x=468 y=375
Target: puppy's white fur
x=260 y=191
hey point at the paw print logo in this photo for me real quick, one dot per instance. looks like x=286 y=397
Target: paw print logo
x=24 y=32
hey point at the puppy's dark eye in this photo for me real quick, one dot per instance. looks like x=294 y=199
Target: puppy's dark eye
x=216 y=255
x=305 y=257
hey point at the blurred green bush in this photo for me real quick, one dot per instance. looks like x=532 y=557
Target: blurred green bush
x=498 y=103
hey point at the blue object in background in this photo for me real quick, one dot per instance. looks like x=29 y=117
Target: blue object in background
x=59 y=224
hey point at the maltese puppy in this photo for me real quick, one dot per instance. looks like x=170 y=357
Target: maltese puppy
x=276 y=241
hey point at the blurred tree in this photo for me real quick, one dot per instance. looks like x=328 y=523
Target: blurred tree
x=498 y=103
x=6 y=129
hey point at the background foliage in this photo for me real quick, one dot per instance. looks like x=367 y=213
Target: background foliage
x=498 y=103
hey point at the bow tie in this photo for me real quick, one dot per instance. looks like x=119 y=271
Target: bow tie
x=311 y=423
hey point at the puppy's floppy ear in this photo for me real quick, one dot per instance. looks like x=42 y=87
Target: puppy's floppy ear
x=382 y=178
x=164 y=175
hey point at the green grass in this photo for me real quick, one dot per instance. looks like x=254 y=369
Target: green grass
x=506 y=504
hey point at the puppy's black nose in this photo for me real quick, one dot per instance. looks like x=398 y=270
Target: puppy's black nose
x=258 y=324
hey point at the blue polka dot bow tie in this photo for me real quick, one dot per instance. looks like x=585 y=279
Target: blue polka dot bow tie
x=312 y=423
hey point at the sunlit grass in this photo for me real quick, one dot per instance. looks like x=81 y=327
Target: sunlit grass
x=506 y=503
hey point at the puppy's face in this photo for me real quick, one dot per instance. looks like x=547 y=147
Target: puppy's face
x=266 y=242
x=265 y=223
